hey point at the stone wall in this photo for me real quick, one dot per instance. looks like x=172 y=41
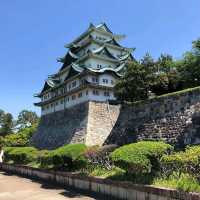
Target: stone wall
x=90 y=123
x=101 y=120
x=108 y=189
x=174 y=118
x=62 y=127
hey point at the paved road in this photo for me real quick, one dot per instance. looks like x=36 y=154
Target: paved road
x=18 y=188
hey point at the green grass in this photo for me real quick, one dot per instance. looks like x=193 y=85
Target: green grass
x=183 y=182
x=105 y=173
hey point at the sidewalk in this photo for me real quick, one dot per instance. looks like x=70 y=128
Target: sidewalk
x=17 y=188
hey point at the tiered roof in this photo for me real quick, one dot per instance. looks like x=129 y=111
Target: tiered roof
x=73 y=63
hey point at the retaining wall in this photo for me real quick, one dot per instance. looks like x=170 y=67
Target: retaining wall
x=107 y=188
x=89 y=123
x=174 y=118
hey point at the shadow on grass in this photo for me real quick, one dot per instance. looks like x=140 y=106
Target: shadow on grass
x=146 y=179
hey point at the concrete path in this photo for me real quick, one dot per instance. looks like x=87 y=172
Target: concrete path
x=18 y=188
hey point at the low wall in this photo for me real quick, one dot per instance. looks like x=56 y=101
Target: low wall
x=107 y=188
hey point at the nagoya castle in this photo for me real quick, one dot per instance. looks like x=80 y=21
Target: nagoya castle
x=75 y=101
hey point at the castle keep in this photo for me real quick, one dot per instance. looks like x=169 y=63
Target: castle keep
x=90 y=68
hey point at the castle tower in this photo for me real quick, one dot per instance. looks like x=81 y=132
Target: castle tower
x=90 y=68
x=74 y=101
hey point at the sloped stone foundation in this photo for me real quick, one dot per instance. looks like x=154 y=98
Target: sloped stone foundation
x=89 y=123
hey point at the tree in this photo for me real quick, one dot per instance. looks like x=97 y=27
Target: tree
x=26 y=119
x=189 y=66
x=6 y=124
x=167 y=77
x=1 y=116
x=136 y=82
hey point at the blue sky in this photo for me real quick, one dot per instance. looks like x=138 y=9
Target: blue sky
x=33 y=34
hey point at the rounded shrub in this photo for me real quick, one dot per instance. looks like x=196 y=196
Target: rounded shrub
x=187 y=161
x=141 y=157
x=21 y=155
x=69 y=156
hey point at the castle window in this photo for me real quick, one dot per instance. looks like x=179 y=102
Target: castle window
x=95 y=92
x=56 y=103
x=82 y=82
x=61 y=101
x=73 y=97
x=112 y=82
x=52 y=105
x=86 y=92
x=80 y=95
x=65 y=88
x=94 y=80
x=106 y=93
x=62 y=91
x=69 y=86
x=105 y=81
x=74 y=84
x=99 y=66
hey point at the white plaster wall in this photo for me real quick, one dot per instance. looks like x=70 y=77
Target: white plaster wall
x=101 y=96
x=77 y=100
x=96 y=34
x=48 y=96
x=84 y=98
x=115 y=52
x=93 y=62
x=109 y=78
x=70 y=83
x=92 y=46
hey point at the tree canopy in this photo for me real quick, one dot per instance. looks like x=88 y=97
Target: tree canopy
x=26 y=119
x=6 y=123
x=160 y=76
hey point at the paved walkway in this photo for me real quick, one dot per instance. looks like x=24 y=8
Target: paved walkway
x=18 y=188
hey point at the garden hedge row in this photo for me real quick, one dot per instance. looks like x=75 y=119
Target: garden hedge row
x=141 y=157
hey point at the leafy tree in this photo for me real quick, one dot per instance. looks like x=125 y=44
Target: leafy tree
x=137 y=80
x=2 y=113
x=189 y=66
x=167 y=77
x=19 y=139
x=6 y=124
x=26 y=119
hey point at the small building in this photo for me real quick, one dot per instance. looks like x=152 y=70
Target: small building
x=93 y=63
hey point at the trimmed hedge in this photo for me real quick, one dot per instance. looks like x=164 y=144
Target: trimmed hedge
x=141 y=157
x=66 y=156
x=187 y=161
x=21 y=155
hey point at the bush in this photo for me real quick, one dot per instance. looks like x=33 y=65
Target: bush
x=20 y=139
x=66 y=156
x=21 y=155
x=187 y=161
x=100 y=156
x=140 y=158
